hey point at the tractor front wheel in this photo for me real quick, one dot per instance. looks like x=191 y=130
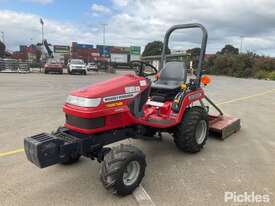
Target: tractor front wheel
x=71 y=159
x=123 y=169
x=192 y=133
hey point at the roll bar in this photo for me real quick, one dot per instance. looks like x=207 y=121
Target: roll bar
x=203 y=46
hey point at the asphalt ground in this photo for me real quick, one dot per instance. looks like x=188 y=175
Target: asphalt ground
x=32 y=103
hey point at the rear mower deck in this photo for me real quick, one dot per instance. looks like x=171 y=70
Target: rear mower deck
x=223 y=126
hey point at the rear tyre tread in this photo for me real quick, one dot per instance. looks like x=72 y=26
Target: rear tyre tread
x=184 y=136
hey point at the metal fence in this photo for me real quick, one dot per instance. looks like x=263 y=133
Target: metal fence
x=13 y=65
x=2 y=64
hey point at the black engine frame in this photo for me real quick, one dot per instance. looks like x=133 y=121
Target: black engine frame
x=48 y=149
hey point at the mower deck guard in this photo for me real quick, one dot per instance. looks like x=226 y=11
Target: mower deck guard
x=223 y=126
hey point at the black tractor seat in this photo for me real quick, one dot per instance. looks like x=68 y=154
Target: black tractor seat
x=169 y=85
x=171 y=77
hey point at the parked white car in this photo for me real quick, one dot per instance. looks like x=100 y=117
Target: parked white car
x=92 y=67
x=77 y=66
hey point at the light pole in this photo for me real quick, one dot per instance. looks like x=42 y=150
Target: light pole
x=104 y=54
x=241 y=46
x=104 y=30
x=42 y=29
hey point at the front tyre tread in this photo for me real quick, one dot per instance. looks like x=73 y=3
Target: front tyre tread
x=71 y=159
x=114 y=166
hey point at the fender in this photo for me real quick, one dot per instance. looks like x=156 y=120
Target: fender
x=188 y=99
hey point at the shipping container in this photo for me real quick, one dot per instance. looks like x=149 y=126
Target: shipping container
x=104 y=50
x=61 y=49
x=119 y=57
x=119 y=49
x=82 y=46
x=134 y=57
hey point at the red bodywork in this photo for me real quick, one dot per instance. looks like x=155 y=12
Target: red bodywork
x=121 y=116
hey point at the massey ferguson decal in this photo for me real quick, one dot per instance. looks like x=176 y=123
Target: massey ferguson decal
x=119 y=97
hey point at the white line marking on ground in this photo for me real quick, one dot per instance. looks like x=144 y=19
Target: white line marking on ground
x=142 y=197
x=4 y=154
x=247 y=97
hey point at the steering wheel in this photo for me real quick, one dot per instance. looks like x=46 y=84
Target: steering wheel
x=139 y=67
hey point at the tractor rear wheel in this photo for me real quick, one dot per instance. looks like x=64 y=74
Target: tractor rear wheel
x=123 y=169
x=191 y=134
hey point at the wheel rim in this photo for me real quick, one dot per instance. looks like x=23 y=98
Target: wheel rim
x=201 y=131
x=131 y=173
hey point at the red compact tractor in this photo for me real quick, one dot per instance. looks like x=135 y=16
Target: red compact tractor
x=132 y=106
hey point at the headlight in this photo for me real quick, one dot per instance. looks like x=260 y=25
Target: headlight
x=82 y=101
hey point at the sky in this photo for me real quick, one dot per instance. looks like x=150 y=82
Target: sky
x=137 y=22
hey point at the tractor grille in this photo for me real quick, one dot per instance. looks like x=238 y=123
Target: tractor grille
x=85 y=123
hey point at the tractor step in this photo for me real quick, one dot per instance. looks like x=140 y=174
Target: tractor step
x=63 y=135
x=223 y=126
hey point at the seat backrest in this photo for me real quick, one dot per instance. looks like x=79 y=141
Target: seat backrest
x=174 y=71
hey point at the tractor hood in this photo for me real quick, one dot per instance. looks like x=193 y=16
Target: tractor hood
x=118 y=85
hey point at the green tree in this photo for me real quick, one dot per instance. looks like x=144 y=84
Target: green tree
x=154 y=48
x=195 y=52
x=2 y=49
x=229 y=62
x=194 y=55
x=229 y=49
